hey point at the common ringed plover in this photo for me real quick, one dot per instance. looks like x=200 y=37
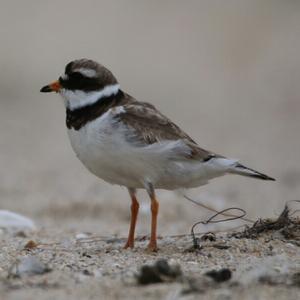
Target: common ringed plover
x=130 y=143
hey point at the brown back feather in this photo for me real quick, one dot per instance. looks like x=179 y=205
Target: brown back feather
x=150 y=126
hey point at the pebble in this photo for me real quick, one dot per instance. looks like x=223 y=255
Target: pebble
x=161 y=271
x=219 y=275
x=29 y=265
x=81 y=236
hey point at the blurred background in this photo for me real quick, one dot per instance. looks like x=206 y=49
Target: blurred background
x=227 y=72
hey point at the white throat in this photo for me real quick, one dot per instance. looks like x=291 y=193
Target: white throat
x=76 y=99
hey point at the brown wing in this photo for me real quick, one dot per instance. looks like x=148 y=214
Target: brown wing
x=150 y=126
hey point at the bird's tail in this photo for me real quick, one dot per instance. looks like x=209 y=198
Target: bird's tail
x=245 y=171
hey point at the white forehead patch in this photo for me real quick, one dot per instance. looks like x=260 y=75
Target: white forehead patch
x=87 y=72
x=64 y=77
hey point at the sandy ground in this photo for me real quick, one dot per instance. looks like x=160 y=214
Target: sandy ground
x=95 y=267
x=227 y=73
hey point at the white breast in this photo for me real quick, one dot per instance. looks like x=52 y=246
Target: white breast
x=102 y=147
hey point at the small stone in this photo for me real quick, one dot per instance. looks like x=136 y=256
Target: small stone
x=209 y=236
x=29 y=265
x=165 y=269
x=161 y=271
x=149 y=275
x=80 y=236
x=219 y=275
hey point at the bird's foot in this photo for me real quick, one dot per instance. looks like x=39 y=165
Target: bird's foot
x=129 y=244
x=152 y=247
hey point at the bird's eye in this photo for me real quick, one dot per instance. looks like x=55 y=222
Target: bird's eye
x=76 y=75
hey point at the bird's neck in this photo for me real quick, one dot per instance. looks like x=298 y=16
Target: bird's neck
x=78 y=117
x=75 y=99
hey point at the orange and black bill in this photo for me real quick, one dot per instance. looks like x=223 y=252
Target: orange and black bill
x=52 y=87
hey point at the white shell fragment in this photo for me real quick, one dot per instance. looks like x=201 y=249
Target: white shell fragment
x=11 y=220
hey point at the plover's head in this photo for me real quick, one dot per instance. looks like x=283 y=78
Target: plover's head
x=84 y=83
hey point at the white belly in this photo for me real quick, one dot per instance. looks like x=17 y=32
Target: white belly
x=104 y=148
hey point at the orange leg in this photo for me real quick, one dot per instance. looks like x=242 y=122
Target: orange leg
x=152 y=246
x=134 y=213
